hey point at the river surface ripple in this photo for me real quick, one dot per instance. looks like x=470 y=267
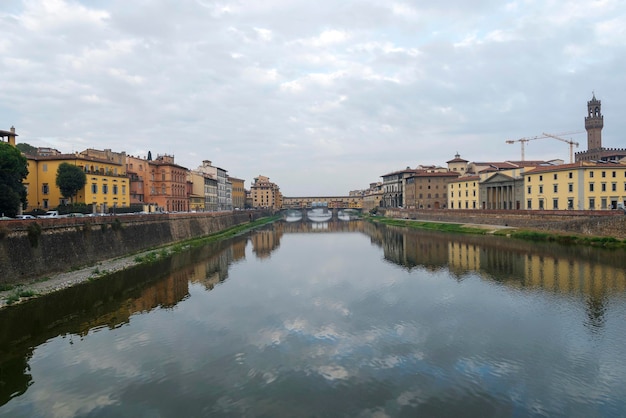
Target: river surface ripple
x=329 y=320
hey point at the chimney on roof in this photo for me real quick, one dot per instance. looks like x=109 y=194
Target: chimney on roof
x=11 y=136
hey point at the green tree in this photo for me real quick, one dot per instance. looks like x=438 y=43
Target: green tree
x=26 y=148
x=70 y=179
x=13 y=170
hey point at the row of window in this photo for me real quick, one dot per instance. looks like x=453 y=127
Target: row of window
x=88 y=169
x=466 y=193
x=45 y=189
x=466 y=185
x=105 y=189
x=571 y=175
x=604 y=204
x=177 y=177
x=428 y=196
x=460 y=206
x=570 y=188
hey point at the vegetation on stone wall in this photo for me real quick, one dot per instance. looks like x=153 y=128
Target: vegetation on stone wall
x=518 y=233
x=34 y=232
x=116 y=225
x=433 y=226
x=153 y=256
x=566 y=239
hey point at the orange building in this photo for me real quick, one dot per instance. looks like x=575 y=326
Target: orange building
x=158 y=182
x=265 y=194
x=138 y=171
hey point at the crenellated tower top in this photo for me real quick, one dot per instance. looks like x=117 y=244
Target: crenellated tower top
x=594 y=122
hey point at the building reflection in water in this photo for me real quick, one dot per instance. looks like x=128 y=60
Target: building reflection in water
x=265 y=241
x=589 y=273
x=521 y=264
x=109 y=302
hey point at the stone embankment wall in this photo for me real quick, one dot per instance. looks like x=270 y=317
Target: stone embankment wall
x=65 y=244
x=592 y=223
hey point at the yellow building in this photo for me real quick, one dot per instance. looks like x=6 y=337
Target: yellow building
x=496 y=186
x=106 y=187
x=239 y=192
x=463 y=193
x=584 y=185
x=197 y=200
x=372 y=196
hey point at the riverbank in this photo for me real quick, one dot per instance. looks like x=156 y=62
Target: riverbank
x=12 y=294
x=599 y=223
x=507 y=231
x=35 y=249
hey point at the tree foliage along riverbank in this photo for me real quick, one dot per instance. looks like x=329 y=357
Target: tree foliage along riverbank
x=13 y=171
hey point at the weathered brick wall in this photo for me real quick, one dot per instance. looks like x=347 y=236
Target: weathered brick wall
x=600 y=223
x=65 y=244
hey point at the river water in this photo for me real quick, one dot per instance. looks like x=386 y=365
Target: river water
x=337 y=319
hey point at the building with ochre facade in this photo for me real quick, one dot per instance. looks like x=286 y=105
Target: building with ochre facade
x=106 y=188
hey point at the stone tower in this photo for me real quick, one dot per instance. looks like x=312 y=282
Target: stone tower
x=594 y=123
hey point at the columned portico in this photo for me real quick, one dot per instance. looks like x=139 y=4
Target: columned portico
x=501 y=192
x=500 y=197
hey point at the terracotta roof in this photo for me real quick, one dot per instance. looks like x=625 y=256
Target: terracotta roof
x=511 y=164
x=468 y=178
x=437 y=174
x=407 y=170
x=504 y=165
x=69 y=157
x=579 y=164
x=530 y=163
x=457 y=160
x=7 y=133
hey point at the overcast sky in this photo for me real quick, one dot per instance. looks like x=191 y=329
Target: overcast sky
x=321 y=96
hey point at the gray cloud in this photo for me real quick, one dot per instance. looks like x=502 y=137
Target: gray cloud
x=321 y=97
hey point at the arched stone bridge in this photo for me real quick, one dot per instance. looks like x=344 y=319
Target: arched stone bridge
x=320 y=215
x=330 y=202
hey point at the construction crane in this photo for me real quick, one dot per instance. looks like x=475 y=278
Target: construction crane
x=523 y=141
x=569 y=141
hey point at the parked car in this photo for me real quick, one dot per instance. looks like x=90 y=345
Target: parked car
x=25 y=217
x=50 y=214
x=75 y=215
